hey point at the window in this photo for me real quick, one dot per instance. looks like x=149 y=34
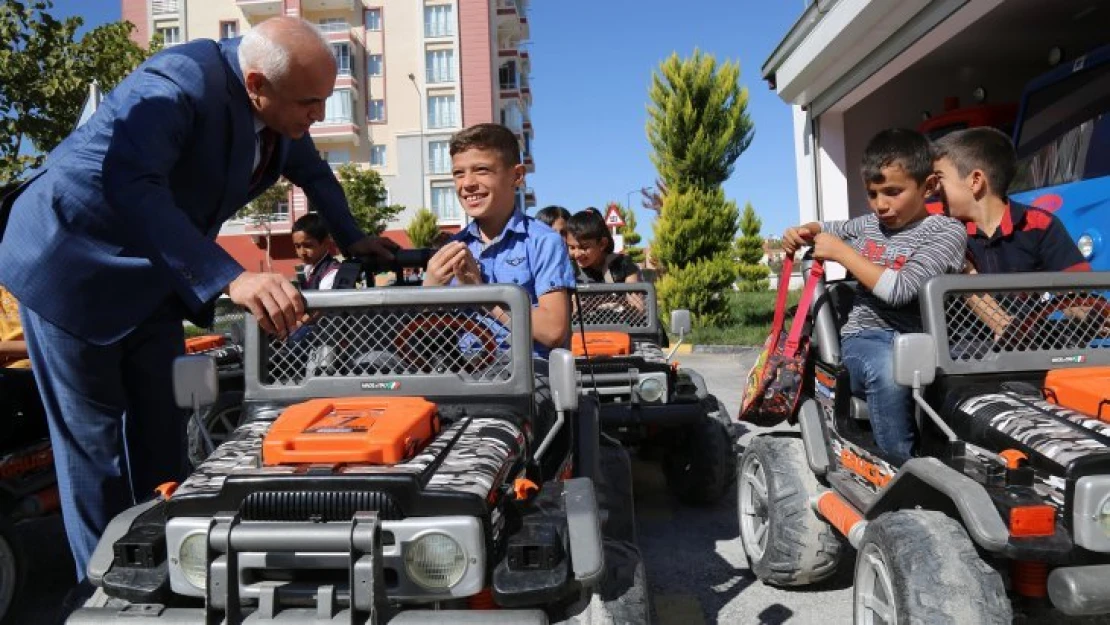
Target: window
x=376 y=110
x=439 y=157
x=445 y=202
x=170 y=36
x=229 y=30
x=342 y=52
x=441 y=111
x=512 y=117
x=374 y=65
x=338 y=107
x=335 y=158
x=439 y=21
x=441 y=66
x=334 y=25
x=373 y=19
x=507 y=74
x=377 y=155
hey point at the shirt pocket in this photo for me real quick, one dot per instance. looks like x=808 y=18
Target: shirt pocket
x=520 y=275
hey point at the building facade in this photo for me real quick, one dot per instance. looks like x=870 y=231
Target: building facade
x=410 y=75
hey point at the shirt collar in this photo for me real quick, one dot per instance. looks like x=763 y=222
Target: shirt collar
x=258 y=125
x=516 y=224
x=1011 y=217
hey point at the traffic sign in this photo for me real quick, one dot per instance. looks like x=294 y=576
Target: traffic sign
x=613 y=217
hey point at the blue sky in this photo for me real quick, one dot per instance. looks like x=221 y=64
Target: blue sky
x=592 y=62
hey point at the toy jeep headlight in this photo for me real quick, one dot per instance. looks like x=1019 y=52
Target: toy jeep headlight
x=651 y=389
x=435 y=561
x=1091 y=513
x=192 y=557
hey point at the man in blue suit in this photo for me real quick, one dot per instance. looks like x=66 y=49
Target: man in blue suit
x=112 y=244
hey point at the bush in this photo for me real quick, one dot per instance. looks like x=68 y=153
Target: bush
x=701 y=287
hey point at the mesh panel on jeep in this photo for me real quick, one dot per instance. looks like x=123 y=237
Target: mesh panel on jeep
x=613 y=309
x=472 y=342
x=984 y=324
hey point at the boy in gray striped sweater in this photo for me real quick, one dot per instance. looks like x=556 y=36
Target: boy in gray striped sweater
x=892 y=252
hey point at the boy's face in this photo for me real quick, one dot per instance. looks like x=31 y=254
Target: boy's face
x=956 y=191
x=486 y=186
x=588 y=253
x=898 y=200
x=308 y=249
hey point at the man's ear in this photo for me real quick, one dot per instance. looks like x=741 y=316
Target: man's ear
x=254 y=80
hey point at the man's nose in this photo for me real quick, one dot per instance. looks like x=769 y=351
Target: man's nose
x=316 y=113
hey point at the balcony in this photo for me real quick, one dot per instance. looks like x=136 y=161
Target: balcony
x=159 y=8
x=529 y=198
x=529 y=164
x=259 y=9
x=335 y=131
x=331 y=5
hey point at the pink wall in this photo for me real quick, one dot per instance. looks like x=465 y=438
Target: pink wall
x=134 y=11
x=476 y=71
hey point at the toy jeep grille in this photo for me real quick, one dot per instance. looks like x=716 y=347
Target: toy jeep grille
x=417 y=342
x=617 y=307
x=1019 y=322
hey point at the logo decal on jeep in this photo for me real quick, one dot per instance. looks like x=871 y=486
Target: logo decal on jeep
x=1080 y=358
x=381 y=386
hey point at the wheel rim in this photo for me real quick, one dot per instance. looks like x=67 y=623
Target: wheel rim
x=223 y=423
x=873 y=589
x=754 y=511
x=8 y=572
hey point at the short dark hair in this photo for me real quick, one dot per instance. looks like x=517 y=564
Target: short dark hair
x=590 y=226
x=494 y=137
x=551 y=214
x=312 y=225
x=592 y=209
x=900 y=147
x=984 y=148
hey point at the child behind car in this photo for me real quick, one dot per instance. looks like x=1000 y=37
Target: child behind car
x=312 y=244
x=502 y=245
x=556 y=218
x=891 y=252
x=591 y=247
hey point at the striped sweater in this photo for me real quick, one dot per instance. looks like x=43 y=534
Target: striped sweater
x=930 y=247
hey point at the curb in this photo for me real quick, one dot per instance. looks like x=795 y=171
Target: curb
x=716 y=349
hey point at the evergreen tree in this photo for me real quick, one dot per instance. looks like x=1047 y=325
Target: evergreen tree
x=698 y=122
x=423 y=228
x=628 y=231
x=748 y=252
x=695 y=224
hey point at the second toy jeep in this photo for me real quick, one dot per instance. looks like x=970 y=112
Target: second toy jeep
x=647 y=399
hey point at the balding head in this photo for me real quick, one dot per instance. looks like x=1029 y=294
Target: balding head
x=289 y=72
x=281 y=45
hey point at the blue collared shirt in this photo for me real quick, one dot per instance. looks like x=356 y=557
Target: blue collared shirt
x=527 y=253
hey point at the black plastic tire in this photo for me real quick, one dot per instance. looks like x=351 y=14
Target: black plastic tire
x=786 y=543
x=223 y=417
x=621 y=598
x=919 y=566
x=701 y=465
x=13 y=571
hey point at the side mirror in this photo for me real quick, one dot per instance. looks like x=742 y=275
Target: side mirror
x=563 y=379
x=196 y=383
x=915 y=354
x=680 y=322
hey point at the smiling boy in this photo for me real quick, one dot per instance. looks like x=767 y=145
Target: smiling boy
x=502 y=245
x=891 y=252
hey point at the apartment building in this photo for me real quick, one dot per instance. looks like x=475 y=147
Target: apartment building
x=411 y=73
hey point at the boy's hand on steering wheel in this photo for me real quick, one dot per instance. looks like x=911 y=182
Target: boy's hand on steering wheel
x=271 y=298
x=441 y=266
x=796 y=238
x=466 y=269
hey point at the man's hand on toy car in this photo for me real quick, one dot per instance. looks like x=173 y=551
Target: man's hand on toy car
x=271 y=298
x=453 y=260
x=380 y=248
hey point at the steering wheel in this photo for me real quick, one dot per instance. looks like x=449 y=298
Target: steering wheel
x=1063 y=323
x=432 y=342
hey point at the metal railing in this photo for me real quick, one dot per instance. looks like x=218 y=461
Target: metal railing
x=163 y=7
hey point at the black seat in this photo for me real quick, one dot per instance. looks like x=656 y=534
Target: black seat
x=833 y=302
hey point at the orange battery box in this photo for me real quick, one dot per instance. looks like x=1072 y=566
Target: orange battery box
x=353 y=430
x=197 y=344
x=1086 y=390
x=601 y=344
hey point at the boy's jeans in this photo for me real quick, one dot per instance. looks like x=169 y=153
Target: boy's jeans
x=869 y=358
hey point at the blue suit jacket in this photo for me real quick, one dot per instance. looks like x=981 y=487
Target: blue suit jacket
x=122 y=219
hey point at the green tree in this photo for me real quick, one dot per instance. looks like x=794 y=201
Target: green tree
x=366 y=195
x=747 y=249
x=698 y=123
x=423 y=228
x=695 y=224
x=45 y=74
x=260 y=212
x=699 y=287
